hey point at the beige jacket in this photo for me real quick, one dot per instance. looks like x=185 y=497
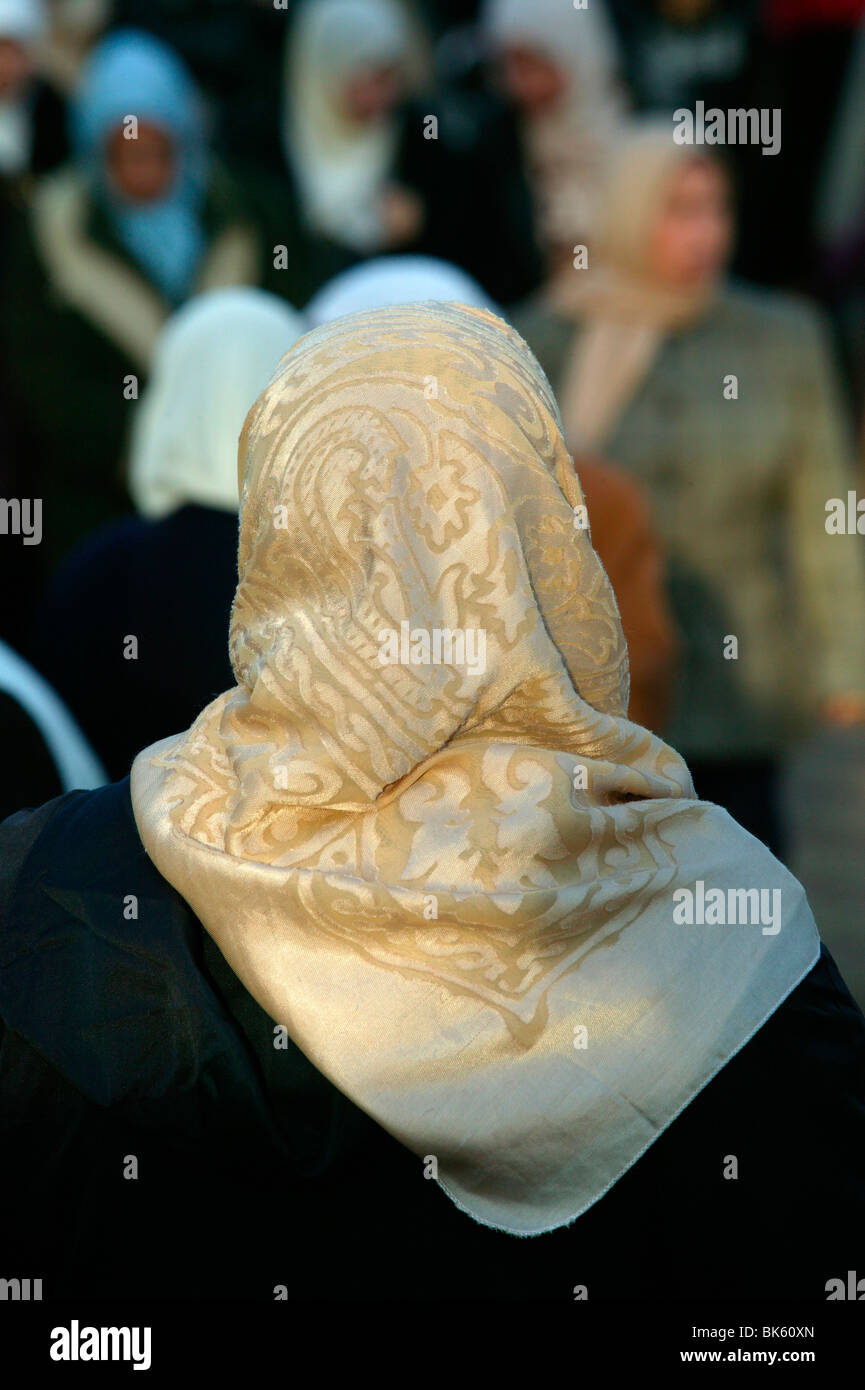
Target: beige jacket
x=739 y=489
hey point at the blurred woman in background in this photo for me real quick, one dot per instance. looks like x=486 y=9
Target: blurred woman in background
x=348 y=64
x=720 y=399
x=164 y=581
x=140 y=221
x=559 y=66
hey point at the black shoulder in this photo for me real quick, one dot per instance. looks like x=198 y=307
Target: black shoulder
x=19 y=835
x=81 y=836
x=98 y=953
x=105 y=980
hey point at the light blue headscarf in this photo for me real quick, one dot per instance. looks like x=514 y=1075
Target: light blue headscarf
x=131 y=73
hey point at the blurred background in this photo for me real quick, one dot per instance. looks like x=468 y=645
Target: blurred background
x=186 y=186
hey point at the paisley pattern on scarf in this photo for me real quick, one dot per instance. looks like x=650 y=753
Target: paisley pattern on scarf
x=430 y=873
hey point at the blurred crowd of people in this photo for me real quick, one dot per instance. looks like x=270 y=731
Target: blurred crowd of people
x=186 y=186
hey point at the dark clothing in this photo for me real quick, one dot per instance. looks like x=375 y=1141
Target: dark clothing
x=470 y=179
x=50 y=128
x=748 y=789
x=23 y=569
x=125 y=1034
x=29 y=771
x=124 y=583
x=669 y=64
x=22 y=560
x=49 y=148
x=128 y=1036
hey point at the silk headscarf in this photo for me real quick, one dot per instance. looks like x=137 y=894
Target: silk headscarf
x=212 y=358
x=624 y=311
x=453 y=886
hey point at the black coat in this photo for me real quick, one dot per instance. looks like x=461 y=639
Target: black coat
x=124 y=582
x=128 y=1036
x=471 y=182
x=29 y=770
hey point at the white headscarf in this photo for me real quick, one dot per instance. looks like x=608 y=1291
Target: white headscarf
x=340 y=166
x=76 y=763
x=24 y=22
x=395 y=280
x=581 y=42
x=214 y=357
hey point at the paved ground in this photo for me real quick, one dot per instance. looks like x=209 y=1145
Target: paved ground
x=825 y=803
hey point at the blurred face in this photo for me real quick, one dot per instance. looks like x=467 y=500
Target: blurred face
x=690 y=241
x=142 y=170
x=16 y=67
x=371 y=95
x=533 y=82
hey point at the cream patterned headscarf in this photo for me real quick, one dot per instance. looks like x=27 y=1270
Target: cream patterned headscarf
x=454 y=886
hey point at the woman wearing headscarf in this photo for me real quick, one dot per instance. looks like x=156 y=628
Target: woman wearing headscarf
x=141 y=220
x=621 y=525
x=347 y=65
x=398 y=930
x=112 y=624
x=560 y=67
x=721 y=401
